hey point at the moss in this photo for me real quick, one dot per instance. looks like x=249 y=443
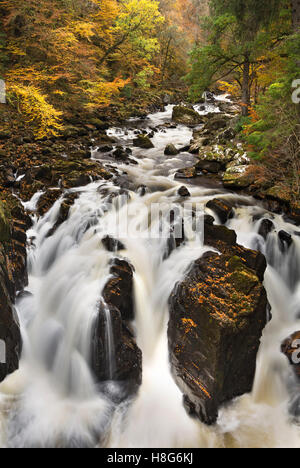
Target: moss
x=243 y=280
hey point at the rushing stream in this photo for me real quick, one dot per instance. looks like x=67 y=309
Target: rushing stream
x=53 y=399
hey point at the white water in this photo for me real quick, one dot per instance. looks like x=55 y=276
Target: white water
x=53 y=400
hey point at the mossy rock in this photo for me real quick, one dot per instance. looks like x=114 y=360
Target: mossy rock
x=142 y=141
x=238 y=177
x=279 y=193
x=186 y=116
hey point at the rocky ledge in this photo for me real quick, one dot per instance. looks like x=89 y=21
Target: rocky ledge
x=13 y=278
x=217 y=315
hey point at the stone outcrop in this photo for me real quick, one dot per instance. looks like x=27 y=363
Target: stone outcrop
x=217 y=315
x=13 y=278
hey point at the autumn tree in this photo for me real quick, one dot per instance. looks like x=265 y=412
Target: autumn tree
x=240 y=34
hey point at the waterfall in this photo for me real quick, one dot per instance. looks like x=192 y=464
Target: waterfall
x=54 y=400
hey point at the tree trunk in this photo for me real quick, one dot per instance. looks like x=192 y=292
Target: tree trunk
x=246 y=87
x=296 y=15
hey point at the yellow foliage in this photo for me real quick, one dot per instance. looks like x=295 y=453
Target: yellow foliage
x=37 y=111
x=101 y=92
x=229 y=88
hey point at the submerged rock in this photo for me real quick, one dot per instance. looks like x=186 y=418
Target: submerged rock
x=186 y=116
x=217 y=314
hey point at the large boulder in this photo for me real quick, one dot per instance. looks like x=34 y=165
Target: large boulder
x=214 y=159
x=115 y=354
x=217 y=315
x=186 y=116
x=122 y=363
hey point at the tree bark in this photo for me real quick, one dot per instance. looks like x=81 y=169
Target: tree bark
x=246 y=87
x=296 y=15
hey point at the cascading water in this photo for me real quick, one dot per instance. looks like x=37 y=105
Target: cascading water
x=53 y=399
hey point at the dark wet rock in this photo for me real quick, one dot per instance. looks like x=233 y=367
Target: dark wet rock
x=105 y=149
x=125 y=366
x=184 y=149
x=112 y=245
x=120 y=154
x=47 y=200
x=224 y=240
x=184 y=192
x=119 y=288
x=222 y=208
x=186 y=116
x=176 y=237
x=126 y=360
x=266 y=226
x=291 y=349
x=285 y=239
x=142 y=190
x=209 y=220
x=142 y=141
x=186 y=173
x=209 y=166
x=171 y=150
x=13 y=278
x=217 y=315
x=64 y=211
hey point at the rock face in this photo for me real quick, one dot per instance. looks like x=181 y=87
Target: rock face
x=217 y=314
x=123 y=363
x=119 y=288
x=13 y=277
x=186 y=116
